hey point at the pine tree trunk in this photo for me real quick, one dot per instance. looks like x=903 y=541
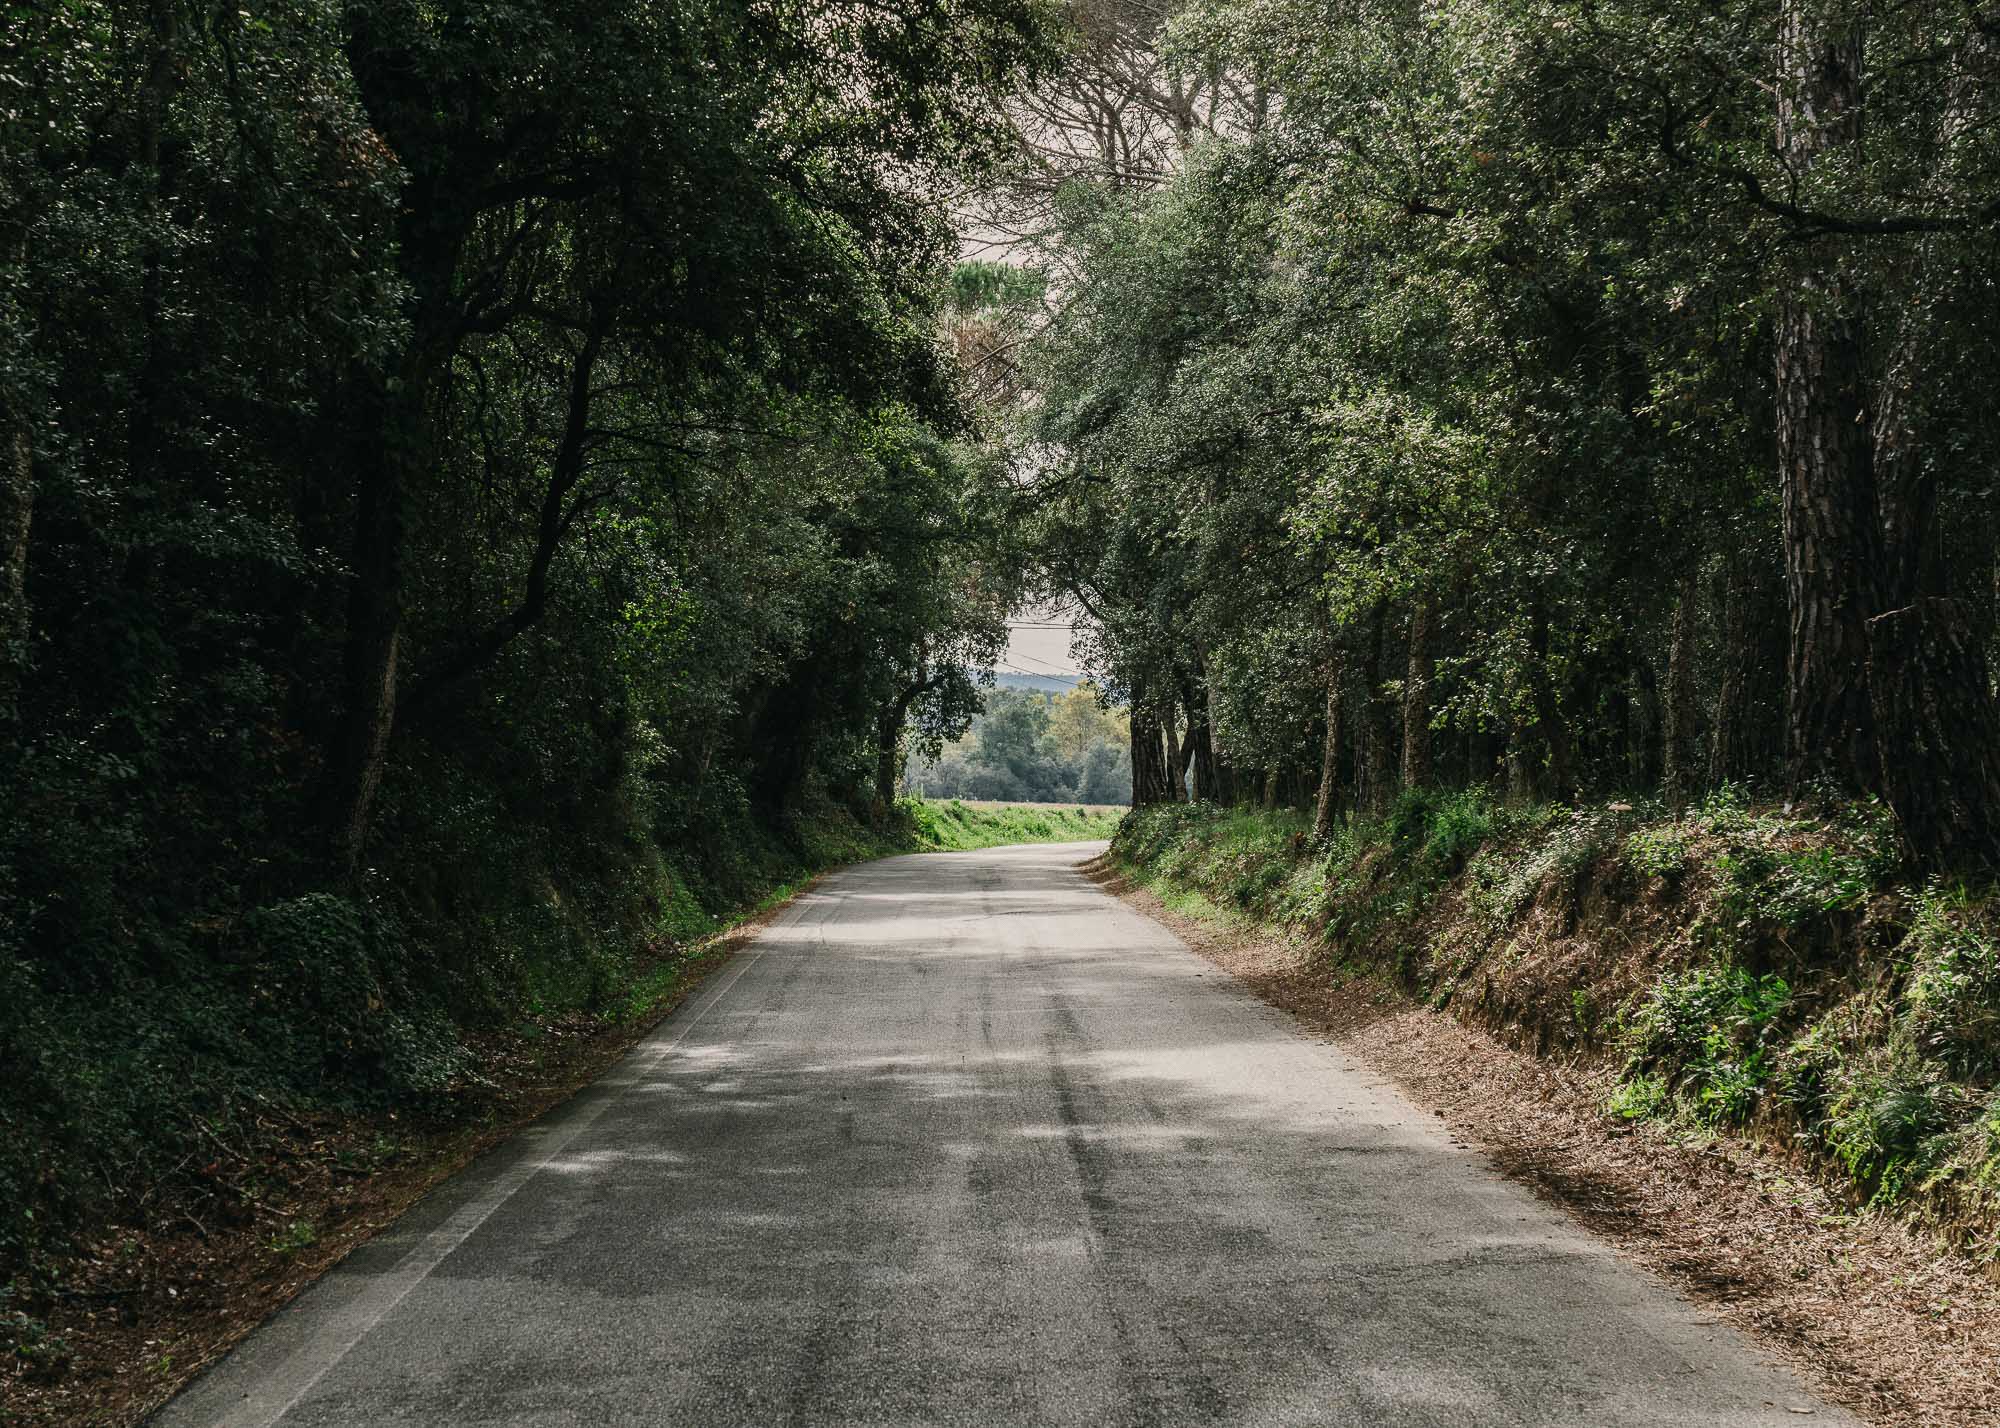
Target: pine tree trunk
x=1929 y=679
x=1825 y=456
x=1417 y=699
x=1680 y=731
x=17 y=514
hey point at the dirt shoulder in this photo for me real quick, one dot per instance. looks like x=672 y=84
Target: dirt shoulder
x=148 y=1305
x=1871 y=1314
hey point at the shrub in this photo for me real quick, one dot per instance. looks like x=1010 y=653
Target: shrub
x=1888 y=1123
x=1953 y=993
x=1707 y=1033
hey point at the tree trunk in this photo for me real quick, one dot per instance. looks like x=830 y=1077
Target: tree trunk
x=1538 y=748
x=1417 y=699
x=1937 y=732
x=1747 y=741
x=395 y=440
x=1216 y=781
x=1375 y=739
x=1171 y=787
x=888 y=734
x=1552 y=729
x=371 y=659
x=17 y=513
x=1327 y=806
x=1825 y=457
x=449 y=672
x=1930 y=682
x=1680 y=732
x=1148 y=776
x=1648 y=757
x=1201 y=750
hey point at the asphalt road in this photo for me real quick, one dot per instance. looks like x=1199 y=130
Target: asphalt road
x=962 y=1140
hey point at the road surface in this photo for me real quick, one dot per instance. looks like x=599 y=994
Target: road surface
x=961 y=1140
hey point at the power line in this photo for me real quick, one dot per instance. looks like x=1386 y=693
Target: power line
x=1070 y=679
x=1042 y=662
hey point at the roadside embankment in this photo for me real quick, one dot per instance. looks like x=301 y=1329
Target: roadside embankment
x=1738 y=1042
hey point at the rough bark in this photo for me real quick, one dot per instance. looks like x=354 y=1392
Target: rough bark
x=1825 y=452
x=1679 y=738
x=1417 y=699
x=1149 y=776
x=1326 y=807
x=1929 y=680
x=17 y=513
x=1200 y=751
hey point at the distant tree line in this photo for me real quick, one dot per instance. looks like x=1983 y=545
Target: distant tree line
x=1574 y=398
x=1034 y=746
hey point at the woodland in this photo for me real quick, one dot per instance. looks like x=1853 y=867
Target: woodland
x=1575 y=398
x=485 y=487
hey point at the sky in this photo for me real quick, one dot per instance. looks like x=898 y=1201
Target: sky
x=1038 y=642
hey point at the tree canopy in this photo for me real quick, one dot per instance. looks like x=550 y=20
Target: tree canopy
x=1585 y=398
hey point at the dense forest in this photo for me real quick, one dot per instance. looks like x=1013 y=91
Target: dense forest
x=1580 y=399
x=477 y=481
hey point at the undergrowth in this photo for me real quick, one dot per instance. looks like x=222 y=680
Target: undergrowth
x=1740 y=969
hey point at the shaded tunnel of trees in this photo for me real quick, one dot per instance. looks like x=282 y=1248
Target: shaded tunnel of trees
x=477 y=481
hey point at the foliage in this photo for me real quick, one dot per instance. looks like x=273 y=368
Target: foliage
x=1710 y=1030
x=1026 y=745
x=476 y=496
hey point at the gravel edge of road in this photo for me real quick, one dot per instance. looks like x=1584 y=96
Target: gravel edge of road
x=1871 y=1316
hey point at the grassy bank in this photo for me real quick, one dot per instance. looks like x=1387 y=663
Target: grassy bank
x=235 y=1115
x=1743 y=970
x=955 y=824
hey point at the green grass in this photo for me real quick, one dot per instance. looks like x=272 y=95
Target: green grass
x=953 y=825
